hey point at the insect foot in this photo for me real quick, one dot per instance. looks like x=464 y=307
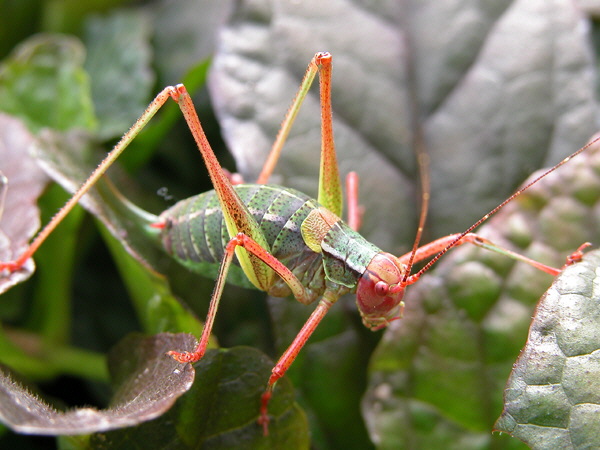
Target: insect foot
x=6 y=268
x=577 y=254
x=185 y=357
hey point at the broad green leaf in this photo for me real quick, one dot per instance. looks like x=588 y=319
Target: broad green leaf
x=186 y=34
x=118 y=62
x=221 y=410
x=487 y=90
x=495 y=96
x=551 y=399
x=43 y=83
x=445 y=365
x=67 y=159
x=156 y=306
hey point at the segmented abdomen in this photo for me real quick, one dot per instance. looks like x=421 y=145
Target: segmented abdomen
x=195 y=234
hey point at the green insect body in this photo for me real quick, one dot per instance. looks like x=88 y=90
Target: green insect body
x=195 y=234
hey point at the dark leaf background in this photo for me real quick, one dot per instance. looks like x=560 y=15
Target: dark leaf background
x=492 y=91
x=466 y=322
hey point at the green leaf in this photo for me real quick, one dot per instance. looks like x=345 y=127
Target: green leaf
x=466 y=320
x=66 y=158
x=221 y=410
x=491 y=108
x=490 y=94
x=187 y=32
x=118 y=61
x=551 y=398
x=43 y=83
x=158 y=309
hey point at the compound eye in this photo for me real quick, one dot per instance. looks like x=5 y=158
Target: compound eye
x=382 y=288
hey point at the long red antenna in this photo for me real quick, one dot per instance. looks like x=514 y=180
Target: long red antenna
x=423 y=163
x=422 y=158
x=501 y=205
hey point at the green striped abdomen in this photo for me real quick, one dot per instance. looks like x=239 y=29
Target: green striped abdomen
x=195 y=234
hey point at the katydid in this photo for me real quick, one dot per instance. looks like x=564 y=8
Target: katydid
x=281 y=241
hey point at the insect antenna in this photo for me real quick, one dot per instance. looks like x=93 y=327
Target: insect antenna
x=422 y=158
x=423 y=164
x=518 y=192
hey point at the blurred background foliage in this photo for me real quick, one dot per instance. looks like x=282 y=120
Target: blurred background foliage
x=87 y=294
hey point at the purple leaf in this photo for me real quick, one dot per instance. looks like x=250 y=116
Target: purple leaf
x=147 y=384
x=25 y=180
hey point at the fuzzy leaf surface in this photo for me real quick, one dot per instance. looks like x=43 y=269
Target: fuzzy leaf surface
x=21 y=183
x=147 y=383
x=221 y=410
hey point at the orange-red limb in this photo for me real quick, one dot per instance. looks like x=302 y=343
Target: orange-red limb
x=330 y=186
x=454 y=240
x=151 y=110
x=355 y=211
x=577 y=254
x=237 y=217
x=288 y=357
x=246 y=242
x=298 y=290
